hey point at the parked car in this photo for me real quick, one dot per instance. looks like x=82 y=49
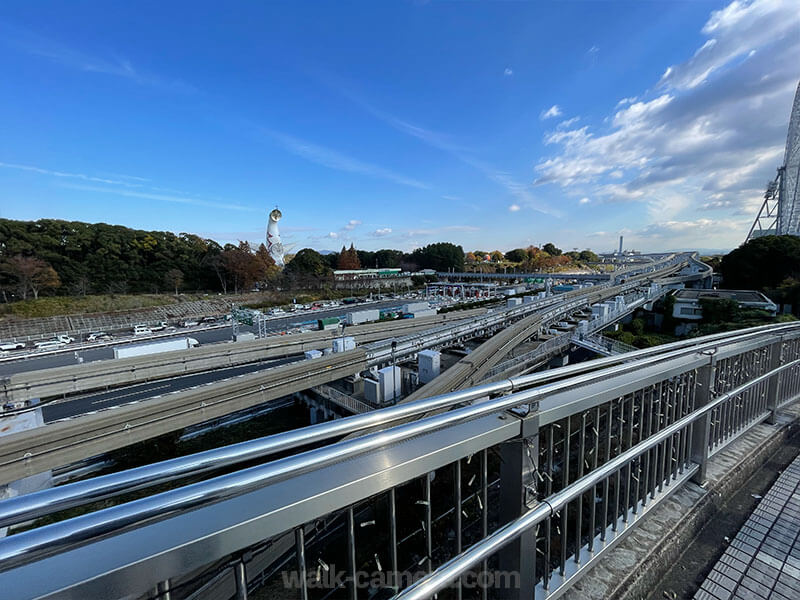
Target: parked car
x=190 y=324
x=12 y=345
x=162 y=325
x=65 y=339
x=142 y=330
x=208 y=320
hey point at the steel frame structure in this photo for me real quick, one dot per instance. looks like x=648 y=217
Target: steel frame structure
x=780 y=212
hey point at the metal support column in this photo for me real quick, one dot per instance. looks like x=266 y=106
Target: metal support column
x=773 y=388
x=163 y=590
x=701 y=430
x=519 y=461
x=240 y=575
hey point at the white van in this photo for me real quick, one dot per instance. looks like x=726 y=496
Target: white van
x=142 y=330
x=48 y=345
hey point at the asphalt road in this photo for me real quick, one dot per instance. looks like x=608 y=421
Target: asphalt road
x=120 y=396
x=204 y=336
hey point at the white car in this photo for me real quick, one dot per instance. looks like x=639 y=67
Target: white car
x=49 y=345
x=99 y=336
x=190 y=324
x=12 y=345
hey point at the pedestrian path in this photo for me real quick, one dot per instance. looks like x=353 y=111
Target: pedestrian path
x=763 y=560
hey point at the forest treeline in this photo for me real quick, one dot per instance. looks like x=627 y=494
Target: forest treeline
x=76 y=258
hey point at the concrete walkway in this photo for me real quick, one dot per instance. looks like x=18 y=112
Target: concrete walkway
x=763 y=560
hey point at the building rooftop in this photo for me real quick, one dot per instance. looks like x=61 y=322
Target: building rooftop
x=737 y=295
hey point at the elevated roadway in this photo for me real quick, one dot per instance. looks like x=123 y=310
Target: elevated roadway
x=62 y=443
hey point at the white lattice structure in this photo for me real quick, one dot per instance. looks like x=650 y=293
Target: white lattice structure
x=780 y=211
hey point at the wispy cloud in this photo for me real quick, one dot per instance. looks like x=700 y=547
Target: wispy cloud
x=445 y=143
x=24 y=40
x=514 y=208
x=381 y=232
x=553 y=111
x=340 y=162
x=162 y=197
x=352 y=224
x=508 y=72
x=39 y=170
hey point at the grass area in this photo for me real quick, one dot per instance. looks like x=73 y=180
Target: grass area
x=71 y=305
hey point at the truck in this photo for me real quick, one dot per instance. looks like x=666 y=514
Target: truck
x=363 y=316
x=328 y=323
x=155 y=347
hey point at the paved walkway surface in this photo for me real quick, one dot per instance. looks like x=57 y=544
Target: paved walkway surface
x=763 y=560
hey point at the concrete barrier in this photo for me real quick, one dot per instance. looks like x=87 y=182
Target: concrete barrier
x=85 y=377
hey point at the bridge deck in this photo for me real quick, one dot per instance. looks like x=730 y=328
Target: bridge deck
x=763 y=560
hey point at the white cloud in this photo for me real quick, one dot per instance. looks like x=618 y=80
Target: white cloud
x=352 y=224
x=383 y=231
x=333 y=235
x=593 y=50
x=508 y=72
x=710 y=138
x=121 y=180
x=568 y=123
x=514 y=207
x=162 y=197
x=340 y=162
x=553 y=111
x=584 y=200
x=30 y=42
x=443 y=142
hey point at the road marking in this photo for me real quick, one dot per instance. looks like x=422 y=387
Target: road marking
x=160 y=387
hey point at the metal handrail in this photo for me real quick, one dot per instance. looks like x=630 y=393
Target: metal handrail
x=458 y=565
x=59 y=536
x=37 y=504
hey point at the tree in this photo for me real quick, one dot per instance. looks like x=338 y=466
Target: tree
x=551 y=249
x=440 y=257
x=174 y=279
x=470 y=257
x=762 y=263
x=588 y=256
x=348 y=259
x=30 y=274
x=307 y=268
x=497 y=256
x=517 y=255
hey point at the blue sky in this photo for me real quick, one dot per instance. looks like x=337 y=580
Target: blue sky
x=397 y=124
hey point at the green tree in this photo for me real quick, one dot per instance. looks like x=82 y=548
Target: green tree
x=762 y=263
x=588 y=256
x=551 y=249
x=440 y=257
x=307 y=268
x=516 y=255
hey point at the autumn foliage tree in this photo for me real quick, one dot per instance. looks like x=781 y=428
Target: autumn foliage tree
x=348 y=259
x=28 y=274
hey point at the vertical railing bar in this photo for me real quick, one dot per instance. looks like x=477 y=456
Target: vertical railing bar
x=595 y=452
x=395 y=577
x=428 y=524
x=351 y=551
x=565 y=481
x=648 y=454
x=300 y=552
x=457 y=499
x=581 y=461
x=617 y=474
x=548 y=524
x=484 y=513
x=609 y=421
x=629 y=472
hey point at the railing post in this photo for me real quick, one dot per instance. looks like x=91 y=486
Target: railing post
x=519 y=461
x=773 y=388
x=701 y=429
